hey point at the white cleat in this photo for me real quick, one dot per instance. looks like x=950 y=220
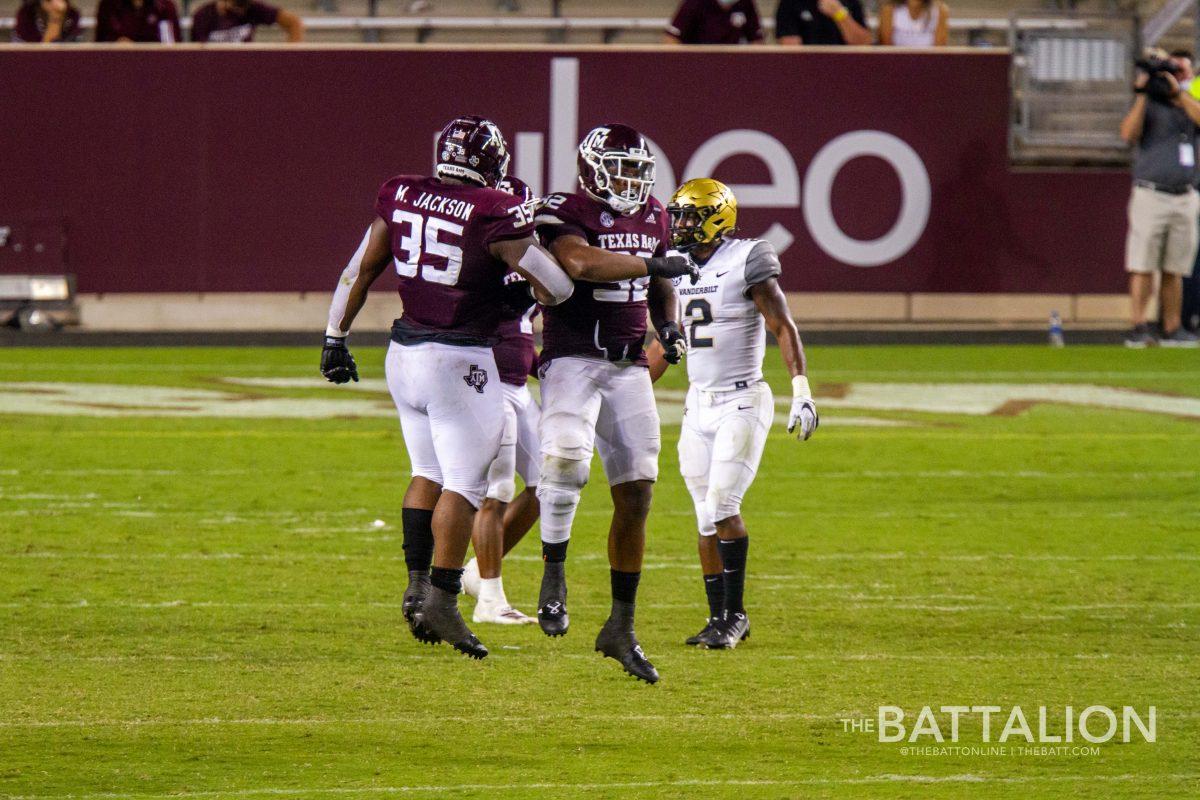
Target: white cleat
x=500 y=614
x=471 y=581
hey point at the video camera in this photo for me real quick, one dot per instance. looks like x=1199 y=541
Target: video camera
x=1158 y=87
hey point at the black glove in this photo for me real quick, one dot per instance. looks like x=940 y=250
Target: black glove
x=337 y=365
x=672 y=267
x=516 y=298
x=673 y=343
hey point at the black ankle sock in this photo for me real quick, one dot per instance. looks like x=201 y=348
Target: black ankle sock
x=733 y=556
x=554 y=551
x=625 y=585
x=418 y=538
x=714 y=587
x=448 y=580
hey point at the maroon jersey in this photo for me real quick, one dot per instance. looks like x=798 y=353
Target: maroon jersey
x=515 y=353
x=31 y=24
x=601 y=320
x=155 y=21
x=209 y=25
x=714 y=22
x=449 y=281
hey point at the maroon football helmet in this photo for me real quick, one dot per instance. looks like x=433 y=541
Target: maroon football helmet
x=516 y=187
x=616 y=167
x=472 y=149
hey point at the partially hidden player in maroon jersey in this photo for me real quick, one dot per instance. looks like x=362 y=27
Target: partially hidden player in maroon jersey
x=452 y=238
x=596 y=392
x=505 y=515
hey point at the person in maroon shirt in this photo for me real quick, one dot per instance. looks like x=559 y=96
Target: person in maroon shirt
x=46 y=21
x=452 y=239
x=596 y=392
x=715 y=22
x=234 y=21
x=138 y=21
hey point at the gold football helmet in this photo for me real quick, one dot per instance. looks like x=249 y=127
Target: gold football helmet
x=702 y=211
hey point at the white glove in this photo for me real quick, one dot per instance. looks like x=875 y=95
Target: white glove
x=804 y=410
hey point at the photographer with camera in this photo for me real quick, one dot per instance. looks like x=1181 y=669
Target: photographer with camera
x=1164 y=208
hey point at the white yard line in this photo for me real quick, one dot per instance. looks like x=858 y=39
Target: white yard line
x=511 y=787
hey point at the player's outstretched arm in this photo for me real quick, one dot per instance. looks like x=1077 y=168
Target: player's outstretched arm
x=595 y=265
x=656 y=358
x=368 y=263
x=664 y=314
x=772 y=304
x=534 y=263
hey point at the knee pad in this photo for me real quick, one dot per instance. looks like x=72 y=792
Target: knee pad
x=562 y=438
x=558 y=504
x=564 y=473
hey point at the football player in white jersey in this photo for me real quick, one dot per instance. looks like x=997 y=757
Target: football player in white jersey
x=729 y=407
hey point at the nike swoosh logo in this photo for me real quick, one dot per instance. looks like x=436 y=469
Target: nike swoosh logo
x=721 y=274
x=745 y=408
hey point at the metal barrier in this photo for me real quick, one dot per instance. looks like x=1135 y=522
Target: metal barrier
x=1071 y=88
x=370 y=27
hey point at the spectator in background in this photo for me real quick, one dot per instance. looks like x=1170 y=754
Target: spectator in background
x=138 y=21
x=821 y=22
x=1165 y=206
x=715 y=22
x=1190 y=311
x=235 y=21
x=914 y=23
x=46 y=21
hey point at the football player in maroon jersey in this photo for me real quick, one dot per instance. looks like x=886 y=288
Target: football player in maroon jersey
x=505 y=517
x=452 y=238
x=596 y=392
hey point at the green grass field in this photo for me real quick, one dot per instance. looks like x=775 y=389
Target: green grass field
x=200 y=605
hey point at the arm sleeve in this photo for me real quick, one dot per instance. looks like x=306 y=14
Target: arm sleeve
x=681 y=23
x=785 y=20
x=761 y=265
x=337 y=308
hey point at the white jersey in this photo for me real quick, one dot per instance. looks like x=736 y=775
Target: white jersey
x=726 y=336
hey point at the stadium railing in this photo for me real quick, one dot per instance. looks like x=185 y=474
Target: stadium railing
x=369 y=27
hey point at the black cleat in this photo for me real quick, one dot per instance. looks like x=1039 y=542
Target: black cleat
x=732 y=630
x=552 y=600
x=439 y=615
x=705 y=635
x=618 y=641
x=418 y=587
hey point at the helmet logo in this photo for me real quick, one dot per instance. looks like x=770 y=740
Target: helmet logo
x=606 y=219
x=474 y=161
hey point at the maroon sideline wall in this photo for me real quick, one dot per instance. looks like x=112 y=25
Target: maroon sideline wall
x=192 y=170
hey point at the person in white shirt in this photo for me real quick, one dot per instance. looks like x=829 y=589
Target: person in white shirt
x=914 y=23
x=729 y=407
